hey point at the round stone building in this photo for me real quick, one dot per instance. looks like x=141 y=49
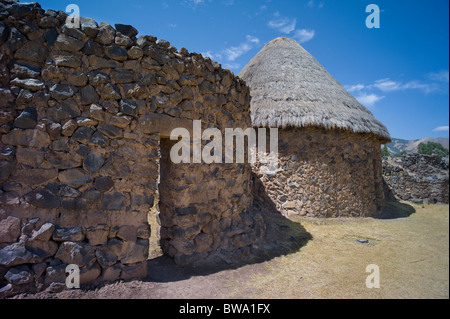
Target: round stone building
x=329 y=144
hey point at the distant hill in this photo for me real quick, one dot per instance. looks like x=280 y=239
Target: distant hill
x=410 y=146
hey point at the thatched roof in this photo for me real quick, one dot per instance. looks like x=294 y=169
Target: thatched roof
x=289 y=88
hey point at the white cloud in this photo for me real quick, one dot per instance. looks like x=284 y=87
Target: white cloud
x=282 y=24
x=193 y=3
x=252 y=39
x=212 y=55
x=424 y=87
x=387 y=85
x=232 y=53
x=369 y=100
x=354 y=88
x=441 y=76
x=441 y=129
x=232 y=66
x=289 y=27
x=313 y=4
x=304 y=35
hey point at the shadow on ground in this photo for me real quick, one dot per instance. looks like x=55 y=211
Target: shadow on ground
x=392 y=208
x=395 y=210
x=283 y=237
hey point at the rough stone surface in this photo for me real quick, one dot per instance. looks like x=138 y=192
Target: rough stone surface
x=19 y=276
x=44 y=233
x=76 y=253
x=9 y=229
x=84 y=119
x=417 y=178
x=323 y=174
x=68 y=234
x=127 y=30
x=42 y=198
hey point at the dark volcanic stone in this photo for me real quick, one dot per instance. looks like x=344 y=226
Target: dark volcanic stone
x=62 y=91
x=43 y=199
x=113 y=201
x=116 y=52
x=93 y=162
x=93 y=48
x=68 y=234
x=65 y=110
x=127 y=30
x=32 y=51
x=98 y=139
x=104 y=184
x=89 y=95
x=16 y=40
x=68 y=43
x=83 y=134
x=4 y=32
x=27 y=119
x=110 y=131
x=122 y=76
x=128 y=107
x=51 y=36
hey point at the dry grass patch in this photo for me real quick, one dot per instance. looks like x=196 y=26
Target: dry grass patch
x=412 y=253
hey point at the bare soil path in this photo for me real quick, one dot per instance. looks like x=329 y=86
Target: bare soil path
x=311 y=258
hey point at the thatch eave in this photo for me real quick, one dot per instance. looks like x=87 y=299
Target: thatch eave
x=290 y=88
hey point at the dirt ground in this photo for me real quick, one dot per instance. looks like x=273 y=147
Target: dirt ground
x=312 y=258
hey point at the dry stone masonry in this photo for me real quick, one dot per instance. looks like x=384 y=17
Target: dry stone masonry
x=417 y=178
x=85 y=116
x=324 y=173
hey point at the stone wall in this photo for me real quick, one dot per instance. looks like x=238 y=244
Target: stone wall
x=84 y=114
x=417 y=178
x=205 y=211
x=325 y=173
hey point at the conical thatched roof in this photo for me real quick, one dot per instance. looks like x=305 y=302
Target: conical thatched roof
x=290 y=88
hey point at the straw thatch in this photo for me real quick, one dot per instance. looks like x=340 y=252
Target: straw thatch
x=289 y=88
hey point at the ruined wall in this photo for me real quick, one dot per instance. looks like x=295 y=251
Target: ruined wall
x=204 y=211
x=417 y=178
x=82 y=114
x=325 y=173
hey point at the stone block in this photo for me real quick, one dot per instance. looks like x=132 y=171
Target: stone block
x=134 y=252
x=29 y=138
x=9 y=229
x=77 y=253
x=74 y=234
x=97 y=235
x=136 y=271
x=163 y=124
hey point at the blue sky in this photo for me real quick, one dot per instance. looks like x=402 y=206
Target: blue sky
x=399 y=71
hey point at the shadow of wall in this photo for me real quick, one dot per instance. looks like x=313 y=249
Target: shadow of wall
x=282 y=237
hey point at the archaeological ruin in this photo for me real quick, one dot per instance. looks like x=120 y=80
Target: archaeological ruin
x=329 y=144
x=85 y=120
x=86 y=116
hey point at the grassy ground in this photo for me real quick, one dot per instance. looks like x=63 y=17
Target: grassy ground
x=412 y=254
x=311 y=258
